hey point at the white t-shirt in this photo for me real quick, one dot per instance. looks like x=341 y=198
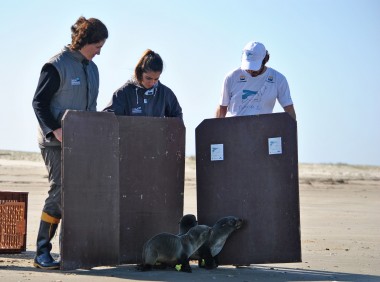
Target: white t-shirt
x=247 y=95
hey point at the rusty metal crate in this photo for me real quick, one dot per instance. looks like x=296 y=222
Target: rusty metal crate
x=13 y=221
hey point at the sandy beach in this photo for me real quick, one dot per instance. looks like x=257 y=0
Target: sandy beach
x=340 y=229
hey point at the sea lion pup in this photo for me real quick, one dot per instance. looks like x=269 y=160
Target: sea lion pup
x=169 y=249
x=187 y=221
x=221 y=230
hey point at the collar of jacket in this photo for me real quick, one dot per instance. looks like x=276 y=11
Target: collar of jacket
x=135 y=83
x=75 y=54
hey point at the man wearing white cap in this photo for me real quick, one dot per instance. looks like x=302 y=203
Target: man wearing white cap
x=254 y=88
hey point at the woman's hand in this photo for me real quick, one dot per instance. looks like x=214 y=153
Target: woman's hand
x=58 y=134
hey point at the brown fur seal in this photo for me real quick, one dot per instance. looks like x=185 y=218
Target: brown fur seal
x=170 y=249
x=221 y=230
x=186 y=222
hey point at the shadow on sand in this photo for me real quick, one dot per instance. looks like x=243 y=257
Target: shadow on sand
x=222 y=273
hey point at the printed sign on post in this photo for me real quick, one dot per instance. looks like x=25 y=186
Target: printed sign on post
x=217 y=153
x=274 y=145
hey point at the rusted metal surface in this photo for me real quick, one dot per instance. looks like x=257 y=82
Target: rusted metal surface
x=255 y=178
x=123 y=182
x=13 y=221
x=90 y=223
x=152 y=166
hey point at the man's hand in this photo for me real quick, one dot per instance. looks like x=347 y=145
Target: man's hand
x=290 y=110
x=221 y=112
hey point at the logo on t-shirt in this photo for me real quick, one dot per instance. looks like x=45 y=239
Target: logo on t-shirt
x=247 y=93
x=270 y=79
x=242 y=78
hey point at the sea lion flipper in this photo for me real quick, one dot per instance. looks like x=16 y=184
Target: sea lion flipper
x=185 y=266
x=143 y=267
x=208 y=258
x=216 y=260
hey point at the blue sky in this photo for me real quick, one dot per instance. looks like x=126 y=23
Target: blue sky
x=328 y=50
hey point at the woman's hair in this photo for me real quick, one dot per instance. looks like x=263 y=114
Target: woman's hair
x=149 y=61
x=87 y=31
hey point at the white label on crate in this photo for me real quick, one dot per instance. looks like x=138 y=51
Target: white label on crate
x=217 y=153
x=274 y=145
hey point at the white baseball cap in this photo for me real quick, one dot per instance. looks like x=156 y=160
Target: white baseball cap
x=253 y=56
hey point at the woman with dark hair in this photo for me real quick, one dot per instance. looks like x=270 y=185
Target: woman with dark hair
x=144 y=94
x=68 y=81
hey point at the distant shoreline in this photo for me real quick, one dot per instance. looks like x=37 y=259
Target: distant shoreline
x=20 y=155
x=36 y=156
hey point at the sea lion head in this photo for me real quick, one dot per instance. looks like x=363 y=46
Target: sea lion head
x=187 y=221
x=221 y=231
x=228 y=223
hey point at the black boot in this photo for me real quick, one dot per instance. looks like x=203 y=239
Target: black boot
x=43 y=257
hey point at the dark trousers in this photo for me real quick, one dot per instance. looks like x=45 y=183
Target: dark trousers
x=53 y=161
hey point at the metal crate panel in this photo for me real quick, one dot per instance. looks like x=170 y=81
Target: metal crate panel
x=90 y=222
x=152 y=167
x=123 y=182
x=253 y=181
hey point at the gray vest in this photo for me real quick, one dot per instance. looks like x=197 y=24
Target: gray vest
x=78 y=90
